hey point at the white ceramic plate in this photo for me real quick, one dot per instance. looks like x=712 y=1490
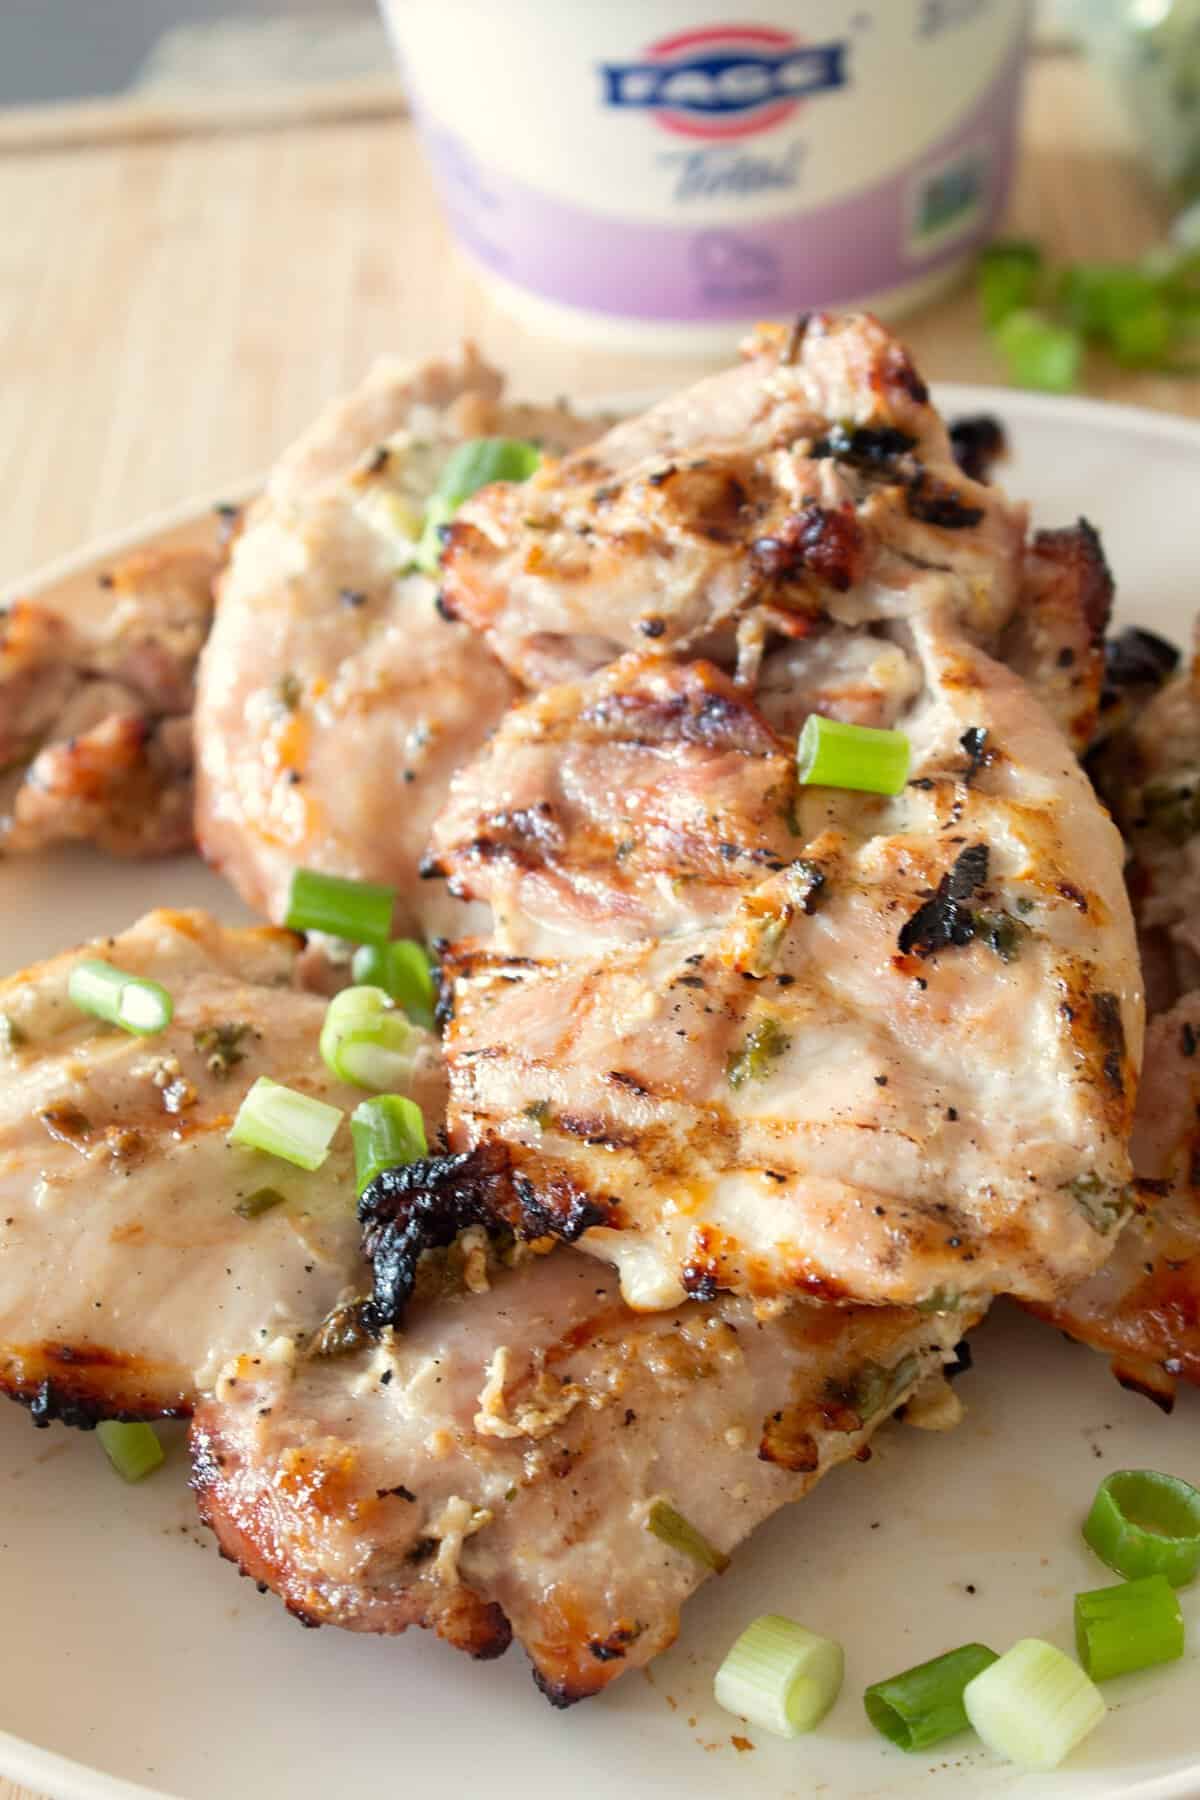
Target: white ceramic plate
x=136 y=1662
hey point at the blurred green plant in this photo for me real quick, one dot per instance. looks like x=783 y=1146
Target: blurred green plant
x=1042 y=319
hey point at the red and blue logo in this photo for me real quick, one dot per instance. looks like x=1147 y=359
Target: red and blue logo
x=726 y=81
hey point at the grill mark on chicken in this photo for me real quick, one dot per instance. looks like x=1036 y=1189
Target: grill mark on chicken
x=649 y=792
x=935 y=502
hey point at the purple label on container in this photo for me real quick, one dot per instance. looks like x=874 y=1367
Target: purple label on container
x=917 y=221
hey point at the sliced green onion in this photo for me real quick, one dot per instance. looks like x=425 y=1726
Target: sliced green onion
x=133 y=1450
x=263 y=1199
x=780 y=1676
x=359 y=911
x=924 y=1704
x=472 y=465
x=1144 y=1523
x=680 y=1534
x=1123 y=307
x=401 y=968
x=833 y=754
x=367 y=1040
x=1033 y=1705
x=129 y=1001
x=296 y=1127
x=1039 y=353
x=386 y=1131
x=1008 y=276
x=1130 y=1626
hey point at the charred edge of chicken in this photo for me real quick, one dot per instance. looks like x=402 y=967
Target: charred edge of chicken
x=1077 y=549
x=53 y=1401
x=978 y=441
x=424 y=1205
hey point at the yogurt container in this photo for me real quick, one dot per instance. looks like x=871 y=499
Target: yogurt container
x=663 y=173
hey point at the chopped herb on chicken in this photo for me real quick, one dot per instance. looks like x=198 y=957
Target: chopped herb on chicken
x=764 y=1043
x=220 y=1045
x=1002 y=934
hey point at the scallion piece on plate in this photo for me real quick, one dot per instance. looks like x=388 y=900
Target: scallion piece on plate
x=1130 y=1626
x=133 y=1449
x=472 y=466
x=359 y=911
x=1145 y=1523
x=678 y=1533
x=780 y=1676
x=367 y=1040
x=129 y=1001
x=833 y=754
x=386 y=1131
x=1033 y=1705
x=296 y=1127
x=924 y=1704
x=401 y=968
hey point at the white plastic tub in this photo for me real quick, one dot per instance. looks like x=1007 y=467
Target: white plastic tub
x=665 y=172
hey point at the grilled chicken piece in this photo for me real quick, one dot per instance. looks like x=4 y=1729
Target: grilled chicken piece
x=1137 y=664
x=803 y=484
x=1143 y=1308
x=127 y=1275
x=1056 y=637
x=94 y=719
x=869 y=1049
x=1150 y=774
x=629 y=806
x=335 y=701
x=492 y=1470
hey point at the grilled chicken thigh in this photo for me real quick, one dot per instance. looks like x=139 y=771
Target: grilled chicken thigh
x=1150 y=775
x=790 y=486
x=1143 y=1307
x=492 y=1471
x=1056 y=637
x=776 y=1039
x=335 y=701
x=127 y=1273
x=95 y=732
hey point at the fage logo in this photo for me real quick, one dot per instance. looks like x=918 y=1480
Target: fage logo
x=726 y=81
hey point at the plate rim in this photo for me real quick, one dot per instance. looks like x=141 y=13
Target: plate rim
x=46 y=1771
